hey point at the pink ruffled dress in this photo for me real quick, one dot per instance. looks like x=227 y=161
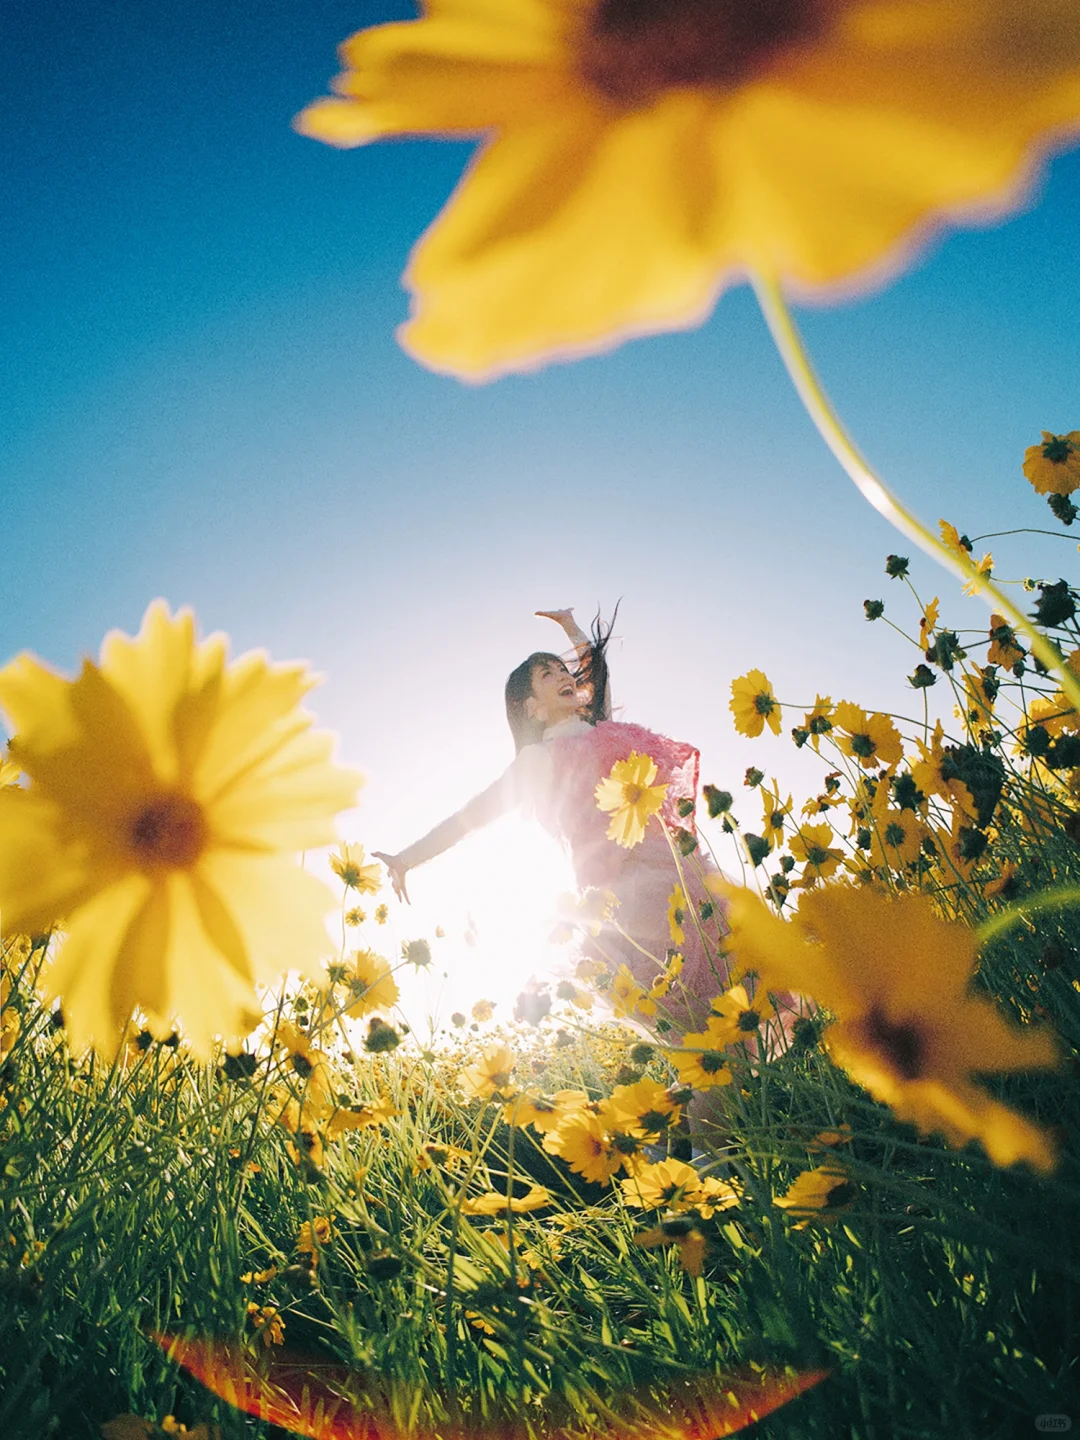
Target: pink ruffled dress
x=578 y=756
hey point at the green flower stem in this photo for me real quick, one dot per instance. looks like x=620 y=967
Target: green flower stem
x=1058 y=899
x=819 y=407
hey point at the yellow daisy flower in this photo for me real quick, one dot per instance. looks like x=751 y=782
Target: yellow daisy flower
x=348 y=865
x=358 y=1117
x=873 y=740
x=637 y=158
x=907 y=1029
x=1054 y=466
x=628 y=996
x=169 y=794
x=314 y=1234
x=681 y=1232
x=674 y=1185
x=492 y=1203
x=371 y=984
x=820 y=1194
x=585 y=1143
x=676 y=915
x=630 y=797
x=646 y=1106
x=1003 y=650
x=544 y=1112
x=809 y=846
x=775 y=813
x=739 y=1014
x=382 y=914
x=754 y=705
x=489 y=1077
x=701 y=1063
x=482 y=1011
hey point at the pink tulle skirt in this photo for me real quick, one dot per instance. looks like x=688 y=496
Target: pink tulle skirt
x=642 y=878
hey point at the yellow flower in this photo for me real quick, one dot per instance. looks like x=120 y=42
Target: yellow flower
x=674 y=1185
x=702 y=1062
x=907 y=1029
x=585 y=1143
x=544 y=1112
x=927 y=623
x=382 y=914
x=348 y=865
x=676 y=915
x=810 y=847
x=492 y=1203
x=314 y=1234
x=645 y=1107
x=817 y=722
x=741 y=1015
x=630 y=796
x=1054 y=466
x=268 y=1322
x=627 y=995
x=489 y=1077
x=371 y=984
x=483 y=1010
x=873 y=740
x=896 y=835
x=1003 y=650
x=681 y=1232
x=776 y=812
x=820 y=1194
x=358 y=1117
x=637 y=158
x=169 y=793
x=754 y=705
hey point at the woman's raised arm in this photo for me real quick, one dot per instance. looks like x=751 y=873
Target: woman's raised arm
x=583 y=645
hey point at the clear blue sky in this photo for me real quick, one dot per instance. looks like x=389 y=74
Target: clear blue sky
x=203 y=399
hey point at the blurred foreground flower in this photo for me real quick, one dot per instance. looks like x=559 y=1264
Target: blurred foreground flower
x=639 y=157
x=169 y=793
x=630 y=797
x=907 y=1029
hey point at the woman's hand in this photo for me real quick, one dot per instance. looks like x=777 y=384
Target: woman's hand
x=397 y=872
x=565 y=618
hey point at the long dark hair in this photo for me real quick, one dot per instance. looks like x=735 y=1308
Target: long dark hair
x=590 y=675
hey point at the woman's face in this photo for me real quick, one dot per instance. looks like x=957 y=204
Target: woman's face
x=554 y=695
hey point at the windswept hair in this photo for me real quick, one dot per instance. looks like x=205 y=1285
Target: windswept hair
x=590 y=675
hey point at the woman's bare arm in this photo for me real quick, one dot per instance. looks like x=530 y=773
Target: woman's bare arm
x=582 y=645
x=481 y=810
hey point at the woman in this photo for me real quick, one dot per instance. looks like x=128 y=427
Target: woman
x=566 y=744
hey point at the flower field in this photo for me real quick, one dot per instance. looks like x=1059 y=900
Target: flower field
x=808 y=1170
x=582 y=1219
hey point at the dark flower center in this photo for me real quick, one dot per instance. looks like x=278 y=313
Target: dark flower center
x=749 y=1020
x=712 y=1061
x=764 y=704
x=816 y=855
x=169 y=832
x=635 y=49
x=863 y=746
x=632 y=793
x=902 y=1044
x=1057 y=450
x=895 y=835
x=842 y=1194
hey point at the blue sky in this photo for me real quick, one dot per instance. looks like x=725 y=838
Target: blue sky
x=204 y=400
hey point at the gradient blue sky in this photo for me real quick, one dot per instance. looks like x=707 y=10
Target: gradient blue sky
x=203 y=399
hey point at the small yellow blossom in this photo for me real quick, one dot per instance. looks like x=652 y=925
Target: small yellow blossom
x=681 y=1232
x=314 y=1234
x=630 y=796
x=754 y=705
x=371 y=984
x=492 y=1203
x=810 y=847
x=1054 y=466
x=1004 y=650
x=490 y=1077
x=482 y=1011
x=268 y=1322
x=873 y=740
x=676 y=915
x=586 y=1144
x=350 y=868
x=820 y=1194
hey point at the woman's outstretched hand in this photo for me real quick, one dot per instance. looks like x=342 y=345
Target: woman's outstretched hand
x=565 y=618
x=397 y=872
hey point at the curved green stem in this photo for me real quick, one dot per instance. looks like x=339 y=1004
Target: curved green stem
x=793 y=353
x=1059 y=899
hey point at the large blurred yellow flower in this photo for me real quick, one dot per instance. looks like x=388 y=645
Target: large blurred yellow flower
x=169 y=793
x=637 y=157
x=907 y=1027
x=630 y=797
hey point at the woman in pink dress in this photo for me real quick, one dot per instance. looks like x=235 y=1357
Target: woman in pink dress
x=566 y=744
